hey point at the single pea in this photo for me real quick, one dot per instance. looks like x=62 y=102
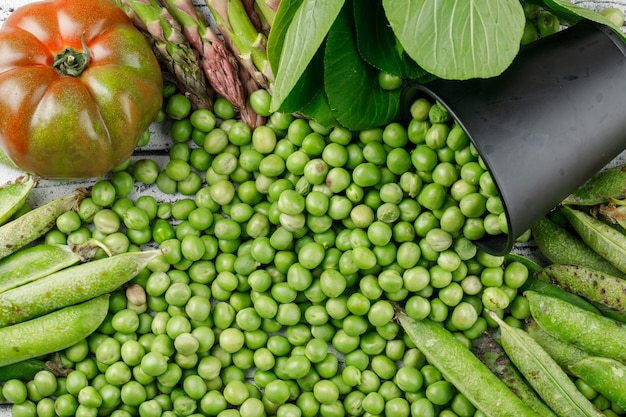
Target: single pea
x=436 y=135
x=223 y=108
x=380 y=313
x=432 y=196
x=326 y=392
x=103 y=193
x=178 y=106
x=366 y=174
x=145 y=171
x=438 y=310
x=494 y=298
x=203 y=119
x=440 y=392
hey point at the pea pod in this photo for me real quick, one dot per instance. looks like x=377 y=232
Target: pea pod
x=561 y=246
x=71 y=285
x=25 y=370
x=599 y=236
x=32 y=225
x=462 y=369
x=543 y=373
x=534 y=284
x=563 y=353
x=13 y=196
x=34 y=262
x=52 y=332
x=607 y=376
x=595 y=334
x=487 y=349
x=591 y=284
x=610 y=313
x=600 y=187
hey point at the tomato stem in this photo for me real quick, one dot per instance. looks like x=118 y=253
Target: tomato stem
x=71 y=62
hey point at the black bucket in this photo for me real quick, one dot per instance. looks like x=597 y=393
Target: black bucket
x=548 y=123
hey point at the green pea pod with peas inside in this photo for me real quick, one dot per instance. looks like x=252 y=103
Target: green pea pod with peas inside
x=593 y=333
x=37 y=261
x=561 y=246
x=462 y=368
x=547 y=378
x=13 y=196
x=607 y=376
x=490 y=352
x=27 y=228
x=52 y=332
x=593 y=285
x=71 y=285
x=599 y=236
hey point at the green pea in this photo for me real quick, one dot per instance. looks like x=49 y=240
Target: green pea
x=366 y=174
x=432 y=196
x=440 y=392
x=494 y=298
x=515 y=274
x=438 y=310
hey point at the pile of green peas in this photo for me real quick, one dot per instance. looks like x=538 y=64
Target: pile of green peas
x=287 y=245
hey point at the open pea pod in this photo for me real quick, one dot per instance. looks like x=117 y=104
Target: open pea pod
x=605 y=375
x=463 y=369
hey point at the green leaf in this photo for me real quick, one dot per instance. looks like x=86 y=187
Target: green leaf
x=568 y=8
x=378 y=44
x=355 y=97
x=304 y=35
x=458 y=39
x=307 y=87
x=276 y=37
x=319 y=110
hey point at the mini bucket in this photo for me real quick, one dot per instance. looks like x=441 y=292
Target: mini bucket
x=544 y=126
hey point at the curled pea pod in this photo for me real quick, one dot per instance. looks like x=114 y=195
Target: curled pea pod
x=13 y=196
x=543 y=373
x=591 y=284
x=34 y=262
x=563 y=353
x=25 y=229
x=561 y=246
x=607 y=376
x=599 y=236
x=487 y=349
x=593 y=333
x=71 y=285
x=600 y=188
x=52 y=332
x=463 y=369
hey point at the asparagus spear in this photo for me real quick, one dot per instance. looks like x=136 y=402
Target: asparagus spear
x=243 y=38
x=219 y=64
x=172 y=49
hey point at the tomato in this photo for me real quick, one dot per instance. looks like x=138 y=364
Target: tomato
x=79 y=85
